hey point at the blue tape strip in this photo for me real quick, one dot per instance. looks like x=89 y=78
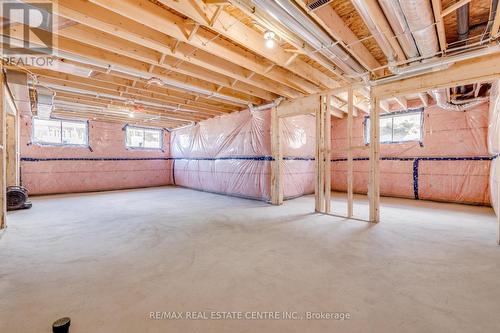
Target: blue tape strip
x=416 y=161
x=36 y=159
x=415 y=178
x=238 y=158
x=173 y=172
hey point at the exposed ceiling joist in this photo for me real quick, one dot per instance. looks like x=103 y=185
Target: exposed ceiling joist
x=122 y=27
x=437 y=8
x=192 y=72
x=171 y=24
x=230 y=28
x=328 y=18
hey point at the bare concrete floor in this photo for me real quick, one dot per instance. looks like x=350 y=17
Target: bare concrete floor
x=109 y=259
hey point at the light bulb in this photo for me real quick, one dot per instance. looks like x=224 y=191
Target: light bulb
x=131 y=115
x=270 y=43
x=269 y=38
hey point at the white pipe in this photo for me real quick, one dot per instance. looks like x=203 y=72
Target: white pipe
x=146 y=76
x=439 y=96
x=436 y=65
x=118 y=98
x=193 y=123
x=131 y=72
x=299 y=23
x=375 y=30
x=109 y=110
x=263 y=107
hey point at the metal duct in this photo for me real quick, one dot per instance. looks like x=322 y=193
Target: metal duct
x=441 y=99
x=397 y=20
x=420 y=18
x=299 y=23
x=375 y=30
x=45 y=102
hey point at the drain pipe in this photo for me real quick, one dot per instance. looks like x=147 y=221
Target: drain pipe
x=367 y=12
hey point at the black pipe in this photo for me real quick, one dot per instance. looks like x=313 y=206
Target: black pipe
x=463 y=22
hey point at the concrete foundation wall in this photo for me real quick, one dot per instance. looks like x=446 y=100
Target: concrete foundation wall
x=106 y=165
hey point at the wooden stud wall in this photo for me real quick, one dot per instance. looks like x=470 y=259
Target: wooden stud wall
x=277 y=163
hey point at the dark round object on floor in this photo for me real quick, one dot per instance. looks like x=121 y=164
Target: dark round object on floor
x=16 y=197
x=61 y=325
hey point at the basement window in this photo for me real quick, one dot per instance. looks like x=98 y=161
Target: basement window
x=60 y=132
x=398 y=127
x=143 y=137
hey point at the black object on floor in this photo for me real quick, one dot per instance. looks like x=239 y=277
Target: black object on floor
x=17 y=198
x=61 y=325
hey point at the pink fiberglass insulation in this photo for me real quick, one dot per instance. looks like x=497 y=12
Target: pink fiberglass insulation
x=494 y=144
x=452 y=163
x=106 y=165
x=230 y=155
x=298 y=135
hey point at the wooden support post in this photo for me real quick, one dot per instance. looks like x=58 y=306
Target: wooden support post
x=350 y=196
x=328 y=154
x=277 y=163
x=3 y=142
x=12 y=150
x=318 y=158
x=321 y=160
x=374 y=182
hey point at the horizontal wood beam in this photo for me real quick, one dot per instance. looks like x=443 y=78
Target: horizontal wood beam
x=454 y=7
x=300 y=106
x=480 y=69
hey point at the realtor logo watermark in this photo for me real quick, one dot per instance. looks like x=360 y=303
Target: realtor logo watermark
x=27 y=31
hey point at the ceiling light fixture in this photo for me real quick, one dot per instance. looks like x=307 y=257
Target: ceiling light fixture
x=269 y=39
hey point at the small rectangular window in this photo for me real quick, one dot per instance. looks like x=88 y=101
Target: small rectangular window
x=139 y=137
x=60 y=132
x=398 y=127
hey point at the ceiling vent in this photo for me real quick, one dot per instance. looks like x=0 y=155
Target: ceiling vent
x=313 y=5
